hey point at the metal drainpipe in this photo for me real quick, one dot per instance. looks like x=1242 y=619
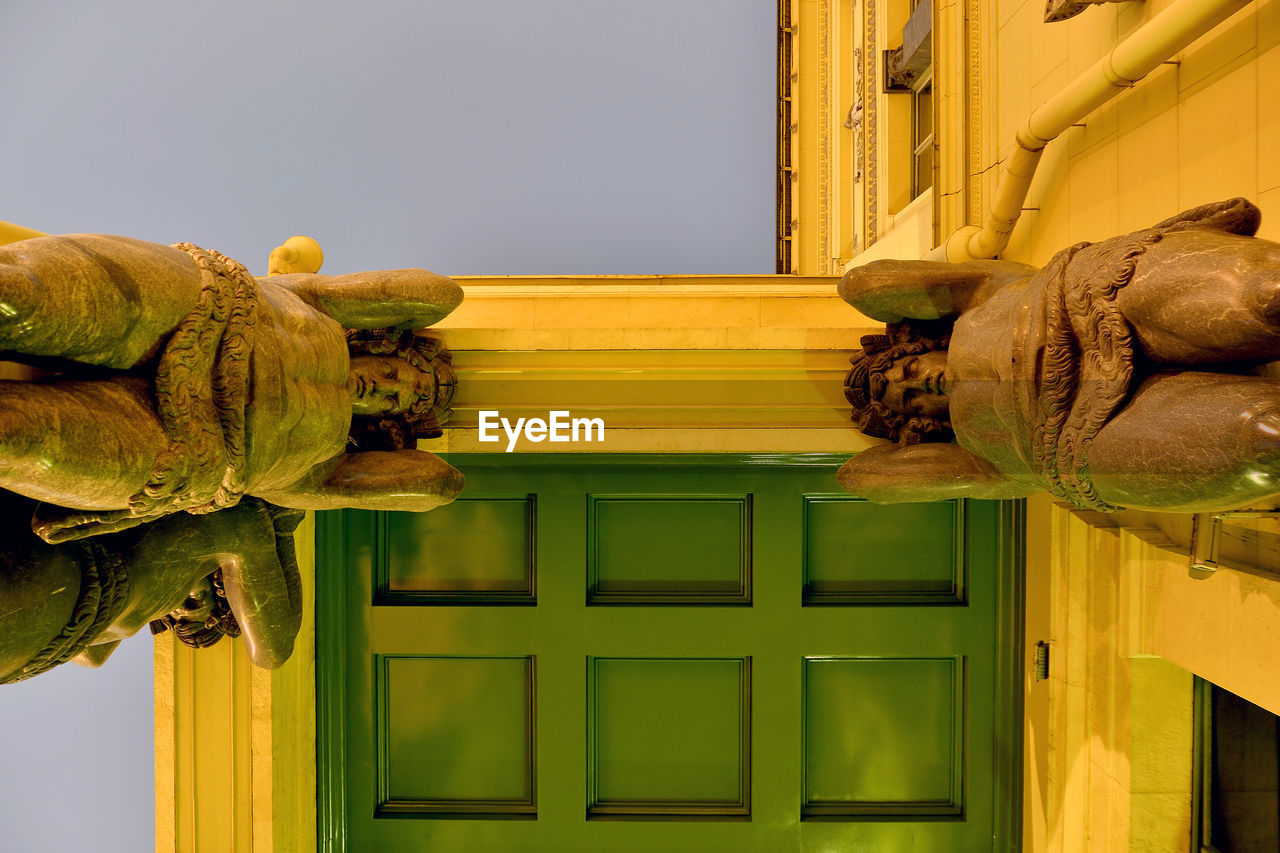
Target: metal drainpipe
x=1168 y=32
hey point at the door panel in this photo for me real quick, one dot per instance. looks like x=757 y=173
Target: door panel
x=455 y=735
x=663 y=653
x=480 y=552
x=905 y=754
x=668 y=549
x=905 y=554
x=669 y=737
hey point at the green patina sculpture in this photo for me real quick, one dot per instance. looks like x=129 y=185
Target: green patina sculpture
x=231 y=572
x=180 y=382
x=1124 y=373
x=171 y=385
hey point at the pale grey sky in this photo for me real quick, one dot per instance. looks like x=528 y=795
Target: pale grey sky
x=468 y=137
x=552 y=136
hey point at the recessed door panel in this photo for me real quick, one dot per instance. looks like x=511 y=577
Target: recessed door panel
x=669 y=738
x=883 y=737
x=669 y=549
x=456 y=735
x=472 y=551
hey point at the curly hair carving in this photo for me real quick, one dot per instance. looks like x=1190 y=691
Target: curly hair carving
x=220 y=623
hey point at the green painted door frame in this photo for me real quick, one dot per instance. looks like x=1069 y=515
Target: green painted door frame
x=619 y=674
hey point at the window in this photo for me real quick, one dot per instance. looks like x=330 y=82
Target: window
x=908 y=76
x=922 y=134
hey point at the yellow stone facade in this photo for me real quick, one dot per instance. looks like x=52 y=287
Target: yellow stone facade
x=1107 y=736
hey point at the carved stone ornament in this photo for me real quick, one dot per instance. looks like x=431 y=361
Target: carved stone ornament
x=871 y=133
x=854 y=121
x=904 y=65
x=169 y=380
x=1126 y=373
x=1061 y=10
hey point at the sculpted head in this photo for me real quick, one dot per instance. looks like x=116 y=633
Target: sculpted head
x=203 y=618
x=388 y=385
x=897 y=384
x=401 y=386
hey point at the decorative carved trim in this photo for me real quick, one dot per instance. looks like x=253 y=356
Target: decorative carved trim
x=870 y=59
x=784 y=143
x=855 y=120
x=847 y=35
x=825 y=188
x=973 y=83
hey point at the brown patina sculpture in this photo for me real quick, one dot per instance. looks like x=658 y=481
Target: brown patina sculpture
x=1061 y=10
x=180 y=382
x=1123 y=374
x=229 y=573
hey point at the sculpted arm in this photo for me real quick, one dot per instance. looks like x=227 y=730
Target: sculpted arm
x=889 y=473
x=253 y=545
x=890 y=291
x=396 y=480
x=405 y=299
x=92 y=298
x=129 y=579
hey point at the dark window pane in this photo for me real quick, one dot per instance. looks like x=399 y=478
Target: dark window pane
x=924 y=113
x=924 y=169
x=1245 y=806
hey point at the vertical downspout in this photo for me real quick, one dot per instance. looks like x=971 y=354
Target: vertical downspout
x=1170 y=31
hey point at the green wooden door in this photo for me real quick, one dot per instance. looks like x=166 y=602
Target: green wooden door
x=662 y=654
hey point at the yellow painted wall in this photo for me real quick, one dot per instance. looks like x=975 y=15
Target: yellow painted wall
x=1107 y=750
x=236 y=745
x=1108 y=736
x=673 y=363
x=1108 y=739
x=1203 y=129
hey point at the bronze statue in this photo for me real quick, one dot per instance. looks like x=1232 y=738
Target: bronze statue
x=1123 y=374
x=228 y=573
x=1061 y=10
x=180 y=382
